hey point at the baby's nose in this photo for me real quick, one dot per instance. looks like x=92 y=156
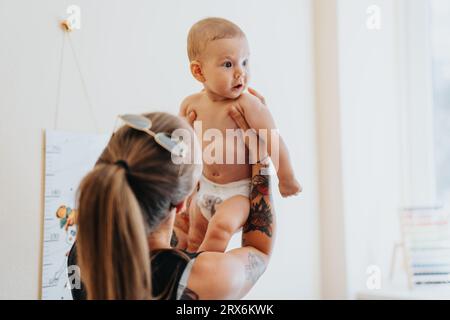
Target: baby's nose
x=239 y=73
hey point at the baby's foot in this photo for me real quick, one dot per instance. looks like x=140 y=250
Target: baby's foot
x=289 y=187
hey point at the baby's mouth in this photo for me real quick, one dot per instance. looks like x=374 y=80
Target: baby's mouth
x=238 y=87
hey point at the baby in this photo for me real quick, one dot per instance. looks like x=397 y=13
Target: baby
x=219 y=58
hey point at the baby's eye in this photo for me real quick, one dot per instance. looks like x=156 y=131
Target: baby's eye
x=228 y=64
x=245 y=62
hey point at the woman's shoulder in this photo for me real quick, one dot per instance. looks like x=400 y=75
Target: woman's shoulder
x=228 y=275
x=214 y=276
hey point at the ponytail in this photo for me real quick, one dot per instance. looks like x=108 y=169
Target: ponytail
x=125 y=197
x=113 y=252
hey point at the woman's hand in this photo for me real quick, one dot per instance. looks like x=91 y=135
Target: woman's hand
x=235 y=113
x=256 y=94
x=190 y=117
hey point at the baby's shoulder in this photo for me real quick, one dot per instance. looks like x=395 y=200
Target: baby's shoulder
x=190 y=103
x=193 y=98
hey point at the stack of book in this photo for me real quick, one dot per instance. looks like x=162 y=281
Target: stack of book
x=426 y=240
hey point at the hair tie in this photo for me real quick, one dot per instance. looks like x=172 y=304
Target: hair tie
x=123 y=164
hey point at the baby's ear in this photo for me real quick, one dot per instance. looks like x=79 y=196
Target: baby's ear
x=196 y=70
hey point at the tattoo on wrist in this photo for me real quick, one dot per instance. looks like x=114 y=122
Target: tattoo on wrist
x=255 y=267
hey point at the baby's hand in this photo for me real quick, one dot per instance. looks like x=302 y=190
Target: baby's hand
x=289 y=187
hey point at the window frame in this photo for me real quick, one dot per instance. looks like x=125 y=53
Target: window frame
x=416 y=104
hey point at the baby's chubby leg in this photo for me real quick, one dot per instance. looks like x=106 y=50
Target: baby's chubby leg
x=197 y=228
x=229 y=217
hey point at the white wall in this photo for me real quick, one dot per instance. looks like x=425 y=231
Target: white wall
x=133 y=56
x=370 y=137
x=366 y=155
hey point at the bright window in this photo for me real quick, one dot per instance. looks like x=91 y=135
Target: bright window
x=440 y=45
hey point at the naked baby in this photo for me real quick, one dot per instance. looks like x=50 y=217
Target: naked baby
x=218 y=52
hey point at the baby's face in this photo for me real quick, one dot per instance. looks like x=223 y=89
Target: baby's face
x=225 y=67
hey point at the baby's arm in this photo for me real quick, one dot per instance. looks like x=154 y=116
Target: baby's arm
x=258 y=117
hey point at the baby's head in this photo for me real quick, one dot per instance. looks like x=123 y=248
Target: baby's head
x=218 y=53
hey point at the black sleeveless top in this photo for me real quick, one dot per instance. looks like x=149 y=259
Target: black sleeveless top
x=167 y=267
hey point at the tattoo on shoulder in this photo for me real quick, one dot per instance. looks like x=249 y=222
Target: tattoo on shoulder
x=188 y=294
x=255 y=267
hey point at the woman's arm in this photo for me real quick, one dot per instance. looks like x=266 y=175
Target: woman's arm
x=232 y=274
x=258 y=116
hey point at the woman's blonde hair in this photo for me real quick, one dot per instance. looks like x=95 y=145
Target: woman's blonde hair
x=130 y=191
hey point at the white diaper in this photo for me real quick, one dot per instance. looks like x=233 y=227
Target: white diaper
x=210 y=194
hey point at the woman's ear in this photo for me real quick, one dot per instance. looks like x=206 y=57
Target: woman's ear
x=196 y=70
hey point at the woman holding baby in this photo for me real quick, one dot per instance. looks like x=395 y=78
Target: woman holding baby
x=127 y=208
x=129 y=202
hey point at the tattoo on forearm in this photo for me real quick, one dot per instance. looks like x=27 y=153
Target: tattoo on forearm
x=260 y=186
x=174 y=240
x=188 y=294
x=260 y=217
x=255 y=267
